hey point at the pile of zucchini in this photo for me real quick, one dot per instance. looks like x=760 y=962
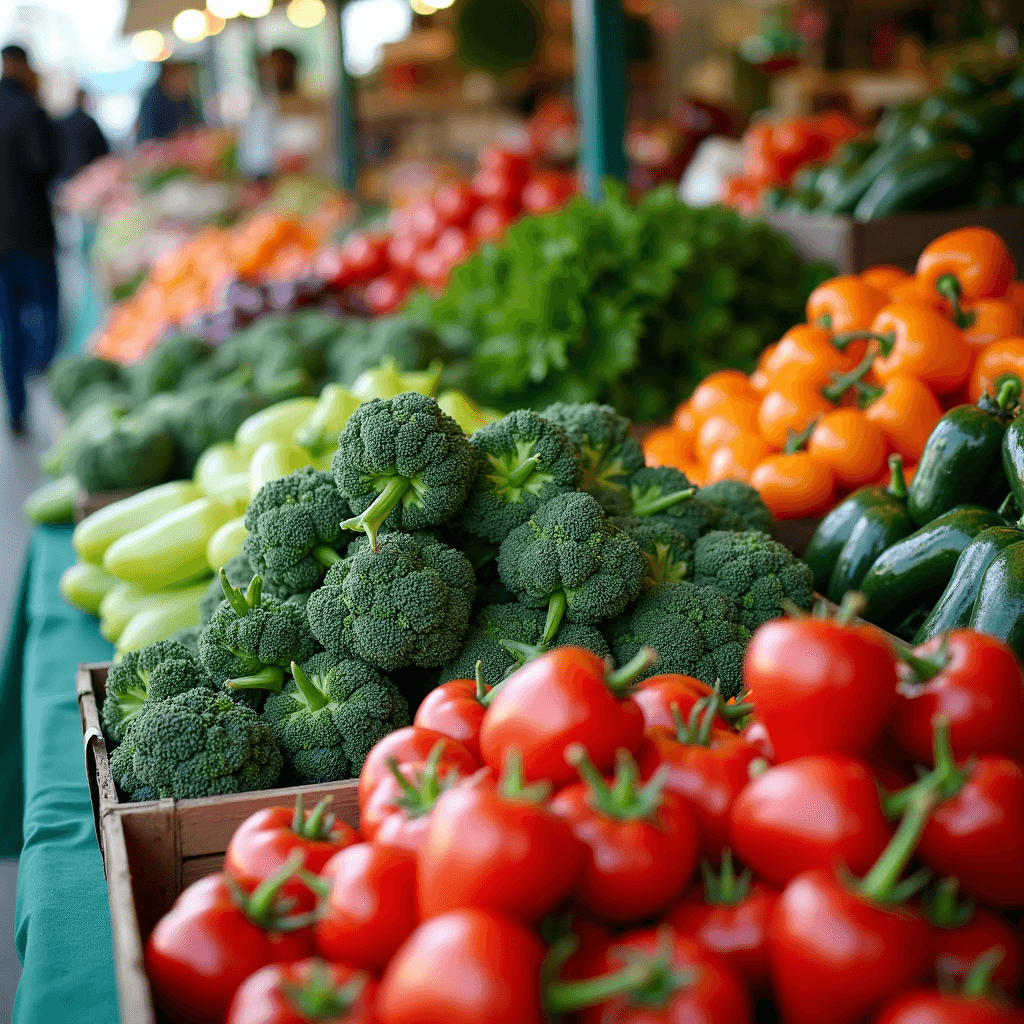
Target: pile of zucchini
x=947 y=551
x=962 y=146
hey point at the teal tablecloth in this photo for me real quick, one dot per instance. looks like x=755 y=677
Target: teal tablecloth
x=62 y=919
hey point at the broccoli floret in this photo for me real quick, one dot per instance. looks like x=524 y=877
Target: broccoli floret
x=607 y=452
x=522 y=461
x=330 y=714
x=198 y=743
x=695 y=630
x=239 y=573
x=188 y=637
x=251 y=640
x=402 y=464
x=122 y=767
x=742 y=499
x=521 y=626
x=664 y=492
x=70 y=376
x=669 y=554
x=164 y=367
x=133 y=452
x=570 y=560
x=408 y=602
x=755 y=571
x=295 y=533
x=154 y=672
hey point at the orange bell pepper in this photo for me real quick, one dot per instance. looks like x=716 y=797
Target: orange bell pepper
x=793 y=486
x=906 y=411
x=728 y=423
x=738 y=460
x=682 y=419
x=966 y=265
x=758 y=379
x=788 y=411
x=884 y=277
x=990 y=320
x=913 y=290
x=1015 y=297
x=994 y=361
x=845 y=303
x=716 y=390
x=667 y=446
x=851 y=445
x=807 y=354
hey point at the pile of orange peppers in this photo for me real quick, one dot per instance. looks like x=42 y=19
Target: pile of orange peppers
x=882 y=355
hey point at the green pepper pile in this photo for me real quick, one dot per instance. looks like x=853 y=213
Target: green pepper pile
x=963 y=146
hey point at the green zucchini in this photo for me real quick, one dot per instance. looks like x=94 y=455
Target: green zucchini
x=848 y=193
x=999 y=607
x=916 y=181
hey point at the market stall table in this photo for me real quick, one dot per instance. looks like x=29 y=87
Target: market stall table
x=62 y=919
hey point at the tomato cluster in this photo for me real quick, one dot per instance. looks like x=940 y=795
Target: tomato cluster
x=532 y=850
x=427 y=239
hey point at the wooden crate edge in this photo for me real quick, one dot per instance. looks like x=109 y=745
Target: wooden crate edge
x=102 y=791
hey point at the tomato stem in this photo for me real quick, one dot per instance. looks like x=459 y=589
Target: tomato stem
x=512 y=784
x=725 y=889
x=420 y=794
x=317 y=827
x=697 y=731
x=621 y=680
x=897 y=481
x=978 y=981
x=481 y=688
x=944 y=780
x=852 y=604
x=881 y=884
x=264 y=906
x=625 y=799
x=942 y=906
x=320 y=999
x=929 y=666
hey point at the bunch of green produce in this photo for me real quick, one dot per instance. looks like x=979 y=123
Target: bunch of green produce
x=616 y=302
x=961 y=146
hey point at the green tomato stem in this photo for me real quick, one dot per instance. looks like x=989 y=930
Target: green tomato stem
x=881 y=885
x=652 y=506
x=299 y=815
x=556 y=610
x=512 y=784
x=978 y=981
x=625 y=799
x=725 y=889
x=370 y=520
x=925 y=668
x=263 y=906
x=325 y=555
x=481 y=688
x=311 y=693
x=943 y=908
x=320 y=999
x=317 y=827
x=620 y=682
x=943 y=781
x=271 y=677
x=518 y=476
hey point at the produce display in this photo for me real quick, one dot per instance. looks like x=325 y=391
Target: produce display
x=530 y=849
x=868 y=376
x=962 y=146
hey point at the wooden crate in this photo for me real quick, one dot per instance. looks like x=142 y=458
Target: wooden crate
x=852 y=246
x=155 y=849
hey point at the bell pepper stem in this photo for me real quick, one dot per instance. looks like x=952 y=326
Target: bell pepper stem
x=1009 y=392
x=881 y=884
x=556 y=610
x=843 y=382
x=949 y=288
x=621 y=680
x=847 y=338
x=518 y=477
x=897 y=481
x=796 y=442
x=370 y=520
x=325 y=555
x=653 y=506
x=270 y=677
x=311 y=693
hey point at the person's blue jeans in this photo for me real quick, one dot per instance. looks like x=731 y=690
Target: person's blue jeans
x=29 y=306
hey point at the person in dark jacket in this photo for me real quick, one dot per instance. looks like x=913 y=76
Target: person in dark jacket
x=28 y=271
x=81 y=140
x=167 y=107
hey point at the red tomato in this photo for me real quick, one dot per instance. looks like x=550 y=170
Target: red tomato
x=385 y=294
x=411 y=743
x=365 y=255
x=265 y=840
x=207 y=944
x=371 y=909
x=656 y=695
x=506 y=162
x=820 y=686
x=641 y=841
x=493 y=187
x=402 y=252
x=454 y=246
x=836 y=956
x=490 y=222
x=546 y=192
x=956 y=950
x=729 y=916
x=496 y=847
x=292 y=993
x=465 y=967
x=432 y=270
x=425 y=222
x=926 y=1006
x=565 y=696
x=455 y=203
x=976 y=683
x=699 y=987
x=455 y=709
x=757 y=736
x=814 y=812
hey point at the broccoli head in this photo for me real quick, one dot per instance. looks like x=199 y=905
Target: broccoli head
x=522 y=461
x=569 y=559
x=755 y=571
x=669 y=554
x=197 y=743
x=522 y=628
x=133 y=452
x=71 y=375
x=402 y=464
x=164 y=367
x=154 y=672
x=742 y=499
x=239 y=573
x=609 y=455
x=695 y=630
x=664 y=492
x=407 y=602
x=188 y=637
x=251 y=640
x=295 y=533
x=329 y=715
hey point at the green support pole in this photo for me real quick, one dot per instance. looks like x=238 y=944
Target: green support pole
x=348 y=166
x=600 y=89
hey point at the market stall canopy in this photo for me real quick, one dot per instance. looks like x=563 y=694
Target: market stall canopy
x=145 y=14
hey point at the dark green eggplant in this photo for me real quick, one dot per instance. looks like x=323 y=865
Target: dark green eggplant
x=962 y=456
x=954 y=608
x=1013 y=459
x=878 y=528
x=918 y=568
x=999 y=607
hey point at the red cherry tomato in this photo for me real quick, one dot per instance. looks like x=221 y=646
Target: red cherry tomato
x=265 y=840
x=493 y=187
x=425 y=222
x=978 y=686
x=402 y=252
x=641 y=842
x=490 y=222
x=546 y=192
x=836 y=956
x=955 y=951
x=432 y=270
x=365 y=255
x=455 y=246
x=371 y=909
x=820 y=686
x=456 y=203
x=455 y=709
x=565 y=696
x=506 y=162
x=656 y=695
x=465 y=967
x=496 y=847
x=206 y=945
x=285 y=993
x=927 y=1006
x=815 y=812
x=385 y=294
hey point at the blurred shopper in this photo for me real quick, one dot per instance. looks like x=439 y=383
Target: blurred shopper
x=167 y=107
x=80 y=140
x=302 y=129
x=28 y=270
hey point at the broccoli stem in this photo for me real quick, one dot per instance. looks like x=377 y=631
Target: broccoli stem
x=233 y=595
x=369 y=521
x=518 y=477
x=647 y=506
x=325 y=555
x=269 y=678
x=556 y=610
x=311 y=693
